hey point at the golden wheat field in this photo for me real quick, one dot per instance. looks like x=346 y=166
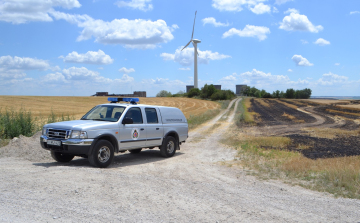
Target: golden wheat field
x=43 y=106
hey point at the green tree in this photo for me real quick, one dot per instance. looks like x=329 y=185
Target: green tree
x=193 y=92
x=290 y=93
x=164 y=93
x=207 y=91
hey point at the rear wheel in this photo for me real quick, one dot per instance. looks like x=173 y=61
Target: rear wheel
x=134 y=151
x=168 y=147
x=61 y=157
x=102 y=154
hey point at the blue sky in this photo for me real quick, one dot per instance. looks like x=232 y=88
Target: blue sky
x=76 y=48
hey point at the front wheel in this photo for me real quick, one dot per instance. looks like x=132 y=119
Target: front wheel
x=61 y=157
x=168 y=147
x=102 y=154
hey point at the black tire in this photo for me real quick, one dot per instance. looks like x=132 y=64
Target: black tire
x=61 y=157
x=135 y=151
x=169 y=146
x=102 y=154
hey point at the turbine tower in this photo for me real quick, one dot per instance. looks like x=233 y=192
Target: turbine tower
x=194 y=42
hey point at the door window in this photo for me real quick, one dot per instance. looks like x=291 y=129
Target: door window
x=151 y=115
x=135 y=115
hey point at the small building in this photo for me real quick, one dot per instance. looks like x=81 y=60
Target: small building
x=140 y=94
x=217 y=87
x=240 y=88
x=188 y=88
x=101 y=94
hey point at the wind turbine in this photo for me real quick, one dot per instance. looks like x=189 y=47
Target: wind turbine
x=194 y=42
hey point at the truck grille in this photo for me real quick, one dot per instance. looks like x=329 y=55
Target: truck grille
x=58 y=133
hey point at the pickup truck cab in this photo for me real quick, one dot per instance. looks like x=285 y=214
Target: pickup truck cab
x=112 y=128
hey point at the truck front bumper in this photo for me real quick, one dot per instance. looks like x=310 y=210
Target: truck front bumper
x=71 y=146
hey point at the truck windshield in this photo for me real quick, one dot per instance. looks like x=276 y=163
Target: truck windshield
x=108 y=113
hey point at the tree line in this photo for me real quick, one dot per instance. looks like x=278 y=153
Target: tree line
x=289 y=93
x=206 y=92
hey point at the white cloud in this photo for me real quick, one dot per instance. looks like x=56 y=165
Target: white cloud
x=91 y=57
x=280 y=2
x=186 y=57
x=249 y=31
x=18 y=12
x=126 y=70
x=183 y=68
x=230 y=78
x=304 y=41
x=337 y=64
x=291 y=10
x=212 y=21
x=85 y=76
x=354 y=12
x=290 y=70
x=55 y=77
x=301 y=61
x=260 y=9
x=79 y=73
x=297 y=22
x=261 y=79
x=143 y=5
x=138 y=33
x=234 y=5
x=275 y=10
x=23 y=63
x=331 y=79
x=322 y=42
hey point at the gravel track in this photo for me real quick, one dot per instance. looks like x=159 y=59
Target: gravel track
x=192 y=186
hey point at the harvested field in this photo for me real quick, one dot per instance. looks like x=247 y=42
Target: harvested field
x=320 y=148
x=327 y=101
x=278 y=113
x=353 y=106
x=77 y=106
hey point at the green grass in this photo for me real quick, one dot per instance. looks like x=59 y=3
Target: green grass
x=22 y=122
x=196 y=120
x=242 y=113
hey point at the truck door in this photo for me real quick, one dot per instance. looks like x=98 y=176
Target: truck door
x=133 y=135
x=154 y=127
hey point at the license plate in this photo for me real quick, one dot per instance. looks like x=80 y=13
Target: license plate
x=54 y=142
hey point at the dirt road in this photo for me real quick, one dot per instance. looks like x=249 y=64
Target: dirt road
x=192 y=186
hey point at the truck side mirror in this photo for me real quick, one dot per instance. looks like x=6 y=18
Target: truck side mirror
x=127 y=121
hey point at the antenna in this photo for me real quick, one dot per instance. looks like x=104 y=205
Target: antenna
x=194 y=42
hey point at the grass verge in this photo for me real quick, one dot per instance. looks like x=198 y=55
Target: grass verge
x=196 y=120
x=243 y=116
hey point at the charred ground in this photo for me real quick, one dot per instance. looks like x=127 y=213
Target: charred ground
x=289 y=117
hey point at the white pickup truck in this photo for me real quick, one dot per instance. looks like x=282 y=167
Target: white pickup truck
x=111 y=128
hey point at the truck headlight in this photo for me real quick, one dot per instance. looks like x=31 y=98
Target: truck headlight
x=44 y=131
x=78 y=135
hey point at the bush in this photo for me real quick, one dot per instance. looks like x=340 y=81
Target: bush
x=164 y=93
x=13 y=124
x=193 y=92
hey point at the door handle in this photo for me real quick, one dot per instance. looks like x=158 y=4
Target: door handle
x=142 y=129
x=157 y=128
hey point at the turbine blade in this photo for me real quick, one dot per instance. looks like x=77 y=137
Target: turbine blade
x=186 y=45
x=192 y=35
